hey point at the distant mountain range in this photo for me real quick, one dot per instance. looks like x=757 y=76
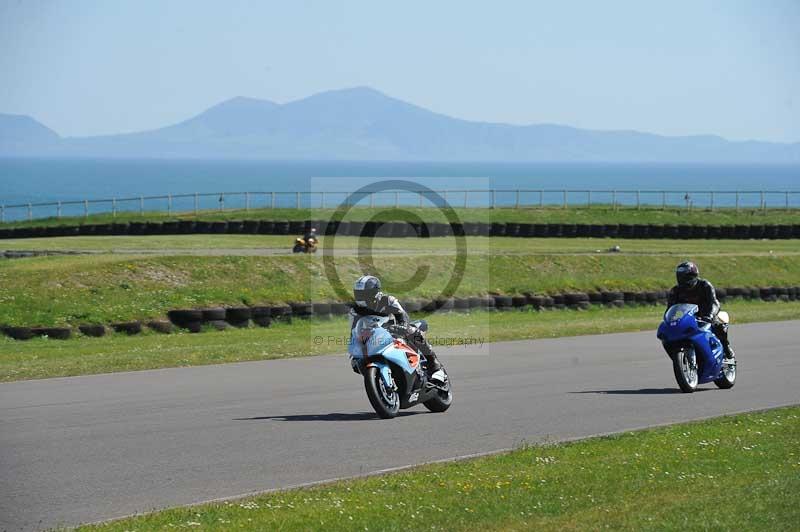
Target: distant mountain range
x=364 y=124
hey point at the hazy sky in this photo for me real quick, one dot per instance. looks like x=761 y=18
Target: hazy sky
x=728 y=67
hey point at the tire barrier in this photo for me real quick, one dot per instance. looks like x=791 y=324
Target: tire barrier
x=201 y=227
x=194 y=320
x=595 y=297
x=609 y=297
x=18 y=333
x=519 y=301
x=127 y=327
x=153 y=228
x=56 y=333
x=669 y=231
x=770 y=232
x=189 y=319
x=262 y=316
x=512 y=229
x=758 y=231
x=685 y=231
x=280 y=228
x=726 y=232
x=597 y=231
x=698 y=232
x=498 y=229
x=266 y=227
x=554 y=230
x=714 y=232
x=321 y=310
x=446 y=304
x=537 y=302
x=168 y=228
x=235 y=227
x=161 y=326
x=302 y=309
x=475 y=302
x=784 y=232
x=213 y=314
x=93 y=330
x=540 y=230
x=399 y=229
x=502 y=302
x=238 y=316
x=461 y=304
x=281 y=313
x=136 y=228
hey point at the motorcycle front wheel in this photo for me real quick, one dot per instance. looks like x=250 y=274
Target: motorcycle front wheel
x=728 y=378
x=385 y=401
x=441 y=401
x=684 y=364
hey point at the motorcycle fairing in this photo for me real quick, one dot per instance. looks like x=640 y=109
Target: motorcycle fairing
x=382 y=349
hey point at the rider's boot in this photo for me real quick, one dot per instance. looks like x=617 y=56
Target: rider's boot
x=433 y=362
x=722 y=333
x=729 y=353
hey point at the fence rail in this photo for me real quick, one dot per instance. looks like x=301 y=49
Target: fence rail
x=485 y=198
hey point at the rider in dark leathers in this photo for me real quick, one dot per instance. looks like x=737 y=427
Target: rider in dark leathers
x=369 y=300
x=693 y=289
x=310 y=235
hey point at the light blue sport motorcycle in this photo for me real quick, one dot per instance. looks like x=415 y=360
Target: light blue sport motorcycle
x=697 y=354
x=395 y=375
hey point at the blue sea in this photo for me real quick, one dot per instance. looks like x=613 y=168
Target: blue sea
x=34 y=181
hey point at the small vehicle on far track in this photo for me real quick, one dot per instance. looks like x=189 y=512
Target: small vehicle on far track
x=697 y=354
x=305 y=245
x=395 y=375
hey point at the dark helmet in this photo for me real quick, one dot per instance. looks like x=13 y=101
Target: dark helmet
x=687 y=273
x=365 y=290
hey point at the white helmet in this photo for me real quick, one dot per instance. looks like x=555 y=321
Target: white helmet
x=366 y=289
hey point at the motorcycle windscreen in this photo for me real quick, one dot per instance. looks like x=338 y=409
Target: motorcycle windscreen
x=379 y=341
x=368 y=334
x=677 y=312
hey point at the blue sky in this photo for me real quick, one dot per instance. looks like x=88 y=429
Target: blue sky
x=723 y=67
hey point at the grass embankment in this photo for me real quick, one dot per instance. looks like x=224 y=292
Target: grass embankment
x=108 y=288
x=229 y=244
x=42 y=358
x=592 y=215
x=737 y=472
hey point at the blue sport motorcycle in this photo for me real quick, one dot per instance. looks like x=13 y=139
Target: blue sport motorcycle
x=395 y=373
x=697 y=354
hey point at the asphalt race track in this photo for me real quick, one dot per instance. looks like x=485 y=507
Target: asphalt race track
x=82 y=449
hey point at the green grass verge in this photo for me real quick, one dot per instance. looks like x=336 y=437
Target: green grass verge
x=42 y=358
x=737 y=472
x=230 y=243
x=107 y=288
x=593 y=215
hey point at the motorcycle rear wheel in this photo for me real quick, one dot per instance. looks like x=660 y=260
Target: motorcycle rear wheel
x=384 y=401
x=684 y=364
